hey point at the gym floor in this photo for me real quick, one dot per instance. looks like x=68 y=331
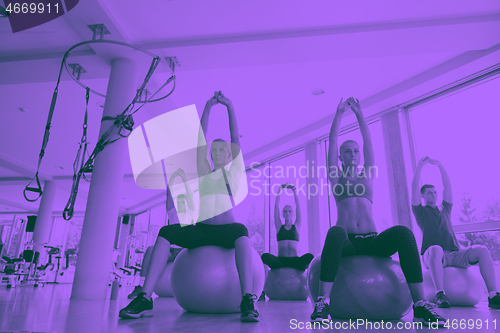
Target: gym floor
x=48 y=309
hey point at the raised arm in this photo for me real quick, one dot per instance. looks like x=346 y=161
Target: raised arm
x=368 y=153
x=447 y=193
x=277 y=214
x=171 y=212
x=298 y=213
x=333 y=145
x=415 y=184
x=189 y=192
x=233 y=125
x=203 y=166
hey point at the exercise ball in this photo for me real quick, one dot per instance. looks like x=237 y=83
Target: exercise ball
x=286 y=284
x=464 y=287
x=205 y=279
x=365 y=287
x=163 y=287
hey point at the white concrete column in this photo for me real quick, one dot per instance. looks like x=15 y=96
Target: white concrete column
x=98 y=234
x=44 y=219
x=313 y=193
x=396 y=172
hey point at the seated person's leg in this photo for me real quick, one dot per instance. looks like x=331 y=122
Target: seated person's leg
x=188 y=236
x=337 y=245
x=479 y=254
x=401 y=239
x=304 y=261
x=235 y=235
x=434 y=260
x=272 y=261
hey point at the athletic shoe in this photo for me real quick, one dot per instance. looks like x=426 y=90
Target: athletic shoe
x=139 y=307
x=321 y=310
x=442 y=300
x=248 y=311
x=424 y=312
x=137 y=291
x=494 y=302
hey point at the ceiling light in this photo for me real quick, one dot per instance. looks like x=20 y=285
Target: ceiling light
x=59 y=167
x=317 y=92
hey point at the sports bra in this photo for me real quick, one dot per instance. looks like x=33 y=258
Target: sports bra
x=210 y=186
x=291 y=234
x=359 y=188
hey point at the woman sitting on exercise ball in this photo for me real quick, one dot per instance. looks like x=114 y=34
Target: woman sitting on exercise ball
x=288 y=236
x=355 y=232
x=216 y=224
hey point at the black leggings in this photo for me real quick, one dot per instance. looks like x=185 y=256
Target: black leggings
x=300 y=263
x=395 y=239
x=201 y=234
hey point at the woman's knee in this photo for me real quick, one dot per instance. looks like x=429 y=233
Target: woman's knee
x=435 y=252
x=337 y=232
x=480 y=251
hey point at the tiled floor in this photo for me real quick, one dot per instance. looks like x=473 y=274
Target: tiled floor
x=48 y=309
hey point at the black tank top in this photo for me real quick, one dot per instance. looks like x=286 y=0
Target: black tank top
x=291 y=234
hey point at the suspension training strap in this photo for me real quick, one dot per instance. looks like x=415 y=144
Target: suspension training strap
x=78 y=164
x=45 y=139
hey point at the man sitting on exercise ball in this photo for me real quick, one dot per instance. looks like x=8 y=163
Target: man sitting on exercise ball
x=439 y=245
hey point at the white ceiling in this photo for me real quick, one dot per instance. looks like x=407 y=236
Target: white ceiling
x=266 y=56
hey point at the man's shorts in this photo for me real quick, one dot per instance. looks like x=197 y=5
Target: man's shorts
x=458 y=258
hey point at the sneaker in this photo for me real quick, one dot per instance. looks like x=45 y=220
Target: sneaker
x=494 y=302
x=424 y=312
x=442 y=300
x=139 y=307
x=321 y=310
x=137 y=291
x=248 y=311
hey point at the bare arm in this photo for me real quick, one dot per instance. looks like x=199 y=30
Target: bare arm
x=447 y=193
x=333 y=146
x=298 y=213
x=203 y=166
x=277 y=215
x=171 y=212
x=368 y=153
x=189 y=192
x=415 y=184
x=233 y=125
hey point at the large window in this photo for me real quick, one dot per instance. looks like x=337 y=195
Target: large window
x=461 y=131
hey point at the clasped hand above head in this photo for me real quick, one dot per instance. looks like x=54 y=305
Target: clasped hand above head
x=351 y=103
x=218 y=98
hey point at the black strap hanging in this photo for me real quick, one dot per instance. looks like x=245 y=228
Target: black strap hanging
x=45 y=140
x=78 y=165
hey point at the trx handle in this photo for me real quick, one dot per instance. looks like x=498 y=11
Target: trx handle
x=33 y=189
